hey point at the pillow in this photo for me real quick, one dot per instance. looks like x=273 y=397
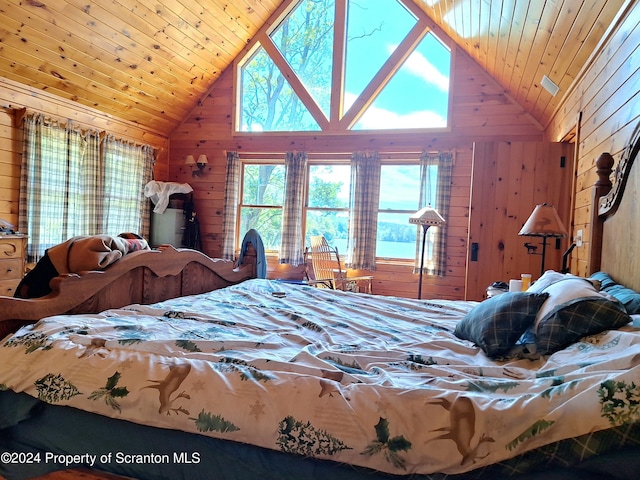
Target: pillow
x=605 y=280
x=548 y=278
x=629 y=298
x=497 y=323
x=574 y=309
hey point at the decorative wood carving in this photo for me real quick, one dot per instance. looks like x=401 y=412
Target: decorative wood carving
x=609 y=201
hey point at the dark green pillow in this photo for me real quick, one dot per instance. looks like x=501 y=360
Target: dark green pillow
x=575 y=309
x=497 y=323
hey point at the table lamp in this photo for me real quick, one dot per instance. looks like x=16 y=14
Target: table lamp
x=544 y=222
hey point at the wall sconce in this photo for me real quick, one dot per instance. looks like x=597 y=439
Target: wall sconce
x=200 y=164
x=427 y=217
x=544 y=222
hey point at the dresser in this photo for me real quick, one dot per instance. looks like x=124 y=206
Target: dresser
x=12 y=262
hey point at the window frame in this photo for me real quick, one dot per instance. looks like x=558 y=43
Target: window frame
x=338 y=120
x=241 y=204
x=399 y=159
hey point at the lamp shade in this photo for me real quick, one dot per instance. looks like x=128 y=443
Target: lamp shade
x=427 y=216
x=202 y=159
x=189 y=160
x=544 y=222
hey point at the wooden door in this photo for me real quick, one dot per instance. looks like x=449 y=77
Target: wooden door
x=508 y=180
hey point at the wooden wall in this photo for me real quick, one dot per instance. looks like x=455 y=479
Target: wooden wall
x=603 y=100
x=15 y=96
x=604 y=103
x=481 y=112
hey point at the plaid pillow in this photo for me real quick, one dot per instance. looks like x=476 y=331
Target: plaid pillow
x=497 y=323
x=628 y=297
x=575 y=309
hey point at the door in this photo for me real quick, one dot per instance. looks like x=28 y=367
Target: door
x=508 y=180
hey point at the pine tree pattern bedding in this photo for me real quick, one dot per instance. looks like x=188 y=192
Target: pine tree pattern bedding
x=379 y=382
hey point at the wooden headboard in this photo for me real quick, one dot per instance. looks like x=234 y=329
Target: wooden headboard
x=616 y=223
x=144 y=277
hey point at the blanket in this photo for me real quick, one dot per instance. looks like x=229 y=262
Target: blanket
x=380 y=382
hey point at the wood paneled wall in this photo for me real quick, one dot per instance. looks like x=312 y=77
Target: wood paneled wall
x=481 y=111
x=509 y=179
x=15 y=96
x=604 y=103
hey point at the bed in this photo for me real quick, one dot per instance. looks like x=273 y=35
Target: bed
x=268 y=379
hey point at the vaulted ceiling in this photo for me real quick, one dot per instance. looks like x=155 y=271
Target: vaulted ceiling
x=151 y=61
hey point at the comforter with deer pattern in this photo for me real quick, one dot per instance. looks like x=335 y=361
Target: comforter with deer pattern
x=380 y=382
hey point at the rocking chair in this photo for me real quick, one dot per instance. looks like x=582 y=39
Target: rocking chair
x=327 y=269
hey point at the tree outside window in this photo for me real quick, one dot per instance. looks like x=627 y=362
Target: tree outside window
x=290 y=80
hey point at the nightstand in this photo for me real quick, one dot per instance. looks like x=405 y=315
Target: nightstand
x=13 y=250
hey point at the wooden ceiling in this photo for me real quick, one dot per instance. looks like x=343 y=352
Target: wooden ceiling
x=151 y=61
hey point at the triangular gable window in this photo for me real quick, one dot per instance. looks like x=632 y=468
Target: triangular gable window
x=339 y=65
x=269 y=104
x=417 y=95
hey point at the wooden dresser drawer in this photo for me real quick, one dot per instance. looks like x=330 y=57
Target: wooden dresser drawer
x=11 y=247
x=8 y=287
x=12 y=262
x=13 y=268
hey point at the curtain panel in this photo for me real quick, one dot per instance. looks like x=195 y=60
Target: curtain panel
x=126 y=165
x=436 y=246
x=68 y=188
x=364 y=204
x=291 y=240
x=231 y=201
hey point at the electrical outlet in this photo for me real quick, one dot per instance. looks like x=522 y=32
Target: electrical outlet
x=578 y=239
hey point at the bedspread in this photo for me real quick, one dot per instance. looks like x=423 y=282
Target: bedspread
x=380 y=382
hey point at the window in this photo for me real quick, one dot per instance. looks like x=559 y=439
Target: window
x=399 y=199
x=290 y=80
x=328 y=204
x=261 y=204
x=75 y=187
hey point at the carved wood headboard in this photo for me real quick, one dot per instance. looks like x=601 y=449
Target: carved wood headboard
x=616 y=217
x=144 y=277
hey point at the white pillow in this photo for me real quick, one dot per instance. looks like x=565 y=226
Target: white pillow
x=547 y=279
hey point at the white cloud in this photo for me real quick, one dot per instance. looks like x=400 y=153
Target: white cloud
x=379 y=118
x=418 y=65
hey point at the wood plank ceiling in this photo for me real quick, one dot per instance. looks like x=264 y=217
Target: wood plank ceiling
x=151 y=61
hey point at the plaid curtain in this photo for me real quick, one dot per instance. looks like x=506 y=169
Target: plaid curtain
x=60 y=173
x=128 y=167
x=66 y=188
x=291 y=243
x=364 y=204
x=231 y=199
x=435 y=190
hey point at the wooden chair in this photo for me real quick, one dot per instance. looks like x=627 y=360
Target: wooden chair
x=327 y=269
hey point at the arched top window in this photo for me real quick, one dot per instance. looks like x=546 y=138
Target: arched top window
x=344 y=65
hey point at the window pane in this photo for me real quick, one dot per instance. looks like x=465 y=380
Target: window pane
x=305 y=39
x=267 y=221
x=334 y=225
x=268 y=103
x=396 y=236
x=374 y=30
x=329 y=186
x=399 y=199
x=263 y=185
x=400 y=187
x=426 y=70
